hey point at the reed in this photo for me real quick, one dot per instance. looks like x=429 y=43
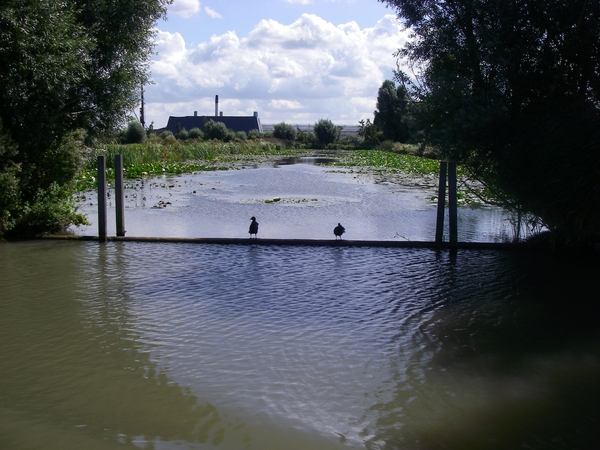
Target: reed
x=157 y=156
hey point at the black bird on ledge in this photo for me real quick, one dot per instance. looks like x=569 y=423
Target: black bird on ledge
x=338 y=231
x=253 y=227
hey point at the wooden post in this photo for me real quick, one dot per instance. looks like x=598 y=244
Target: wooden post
x=102 y=198
x=119 y=196
x=439 y=228
x=452 y=203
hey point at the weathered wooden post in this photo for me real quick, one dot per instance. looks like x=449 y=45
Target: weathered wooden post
x=102 y=198
x=119 y=196
x=439 y=228
x=452 y=203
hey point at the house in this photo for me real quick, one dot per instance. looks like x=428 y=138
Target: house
x=235 y=123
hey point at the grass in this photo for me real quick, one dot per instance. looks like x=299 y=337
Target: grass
x=169 y=156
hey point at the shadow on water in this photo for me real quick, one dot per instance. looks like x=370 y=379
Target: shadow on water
x=509 y=358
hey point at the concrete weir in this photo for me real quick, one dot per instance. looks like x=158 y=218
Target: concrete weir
x=303 y=242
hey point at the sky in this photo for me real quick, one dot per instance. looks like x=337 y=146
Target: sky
x=293 y=61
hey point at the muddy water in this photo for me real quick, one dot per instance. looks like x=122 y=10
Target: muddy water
x=296 y=201
x=182 y=346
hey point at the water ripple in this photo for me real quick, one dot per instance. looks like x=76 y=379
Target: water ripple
x=375 y=348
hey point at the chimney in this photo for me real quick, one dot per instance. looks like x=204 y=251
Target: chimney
x=195 y=113
x=216 y=105
x=221 y=113
x=255 y=113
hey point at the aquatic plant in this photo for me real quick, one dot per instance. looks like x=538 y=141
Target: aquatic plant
x=411 y=165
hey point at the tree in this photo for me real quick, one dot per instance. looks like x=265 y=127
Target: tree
x=326 y=132
x=369 y=131
x=216 y=130
x=284 y=131
x=392 y=114
x=135 y=133
x=195 y=133
x=66 y=65
x=511 y=88
x=9 y=182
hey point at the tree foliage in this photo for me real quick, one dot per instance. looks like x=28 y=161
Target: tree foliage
x=511 y=88
x=135 y=133
x=65 y=65
x=216 y=130
x=369 y=132
x=284 y=131
x=392 y=113
x=326 y=132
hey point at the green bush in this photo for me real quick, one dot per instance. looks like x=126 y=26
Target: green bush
x=183 y=134
x=52 y=210
x=216 y=130
x=166 y=134
x=284 y=131
x=306 y=138
x=171 y=141
x=387 y=146
x=135 y=133
x=195 y=133
x=370 y=132
x=326 y=132
x=254 y=134
x=241 y=135
x=350 y=140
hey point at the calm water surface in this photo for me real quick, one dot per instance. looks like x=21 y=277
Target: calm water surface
x=312 y=200
x=183 y=346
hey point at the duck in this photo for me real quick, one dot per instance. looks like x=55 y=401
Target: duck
x=338 y=231
x=253 y=227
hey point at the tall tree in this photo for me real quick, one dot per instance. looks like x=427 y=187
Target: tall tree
x=65 y=65
x=392 y=113
x=511 y=88
x=326 y=132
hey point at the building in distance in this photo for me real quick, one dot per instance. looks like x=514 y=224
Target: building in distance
x=235 y=123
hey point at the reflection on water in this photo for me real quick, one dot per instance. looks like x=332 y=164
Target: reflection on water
x=304 y=160
x=311 y=200
x=133 y=345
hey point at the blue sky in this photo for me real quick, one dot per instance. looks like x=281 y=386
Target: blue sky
x=296 y=61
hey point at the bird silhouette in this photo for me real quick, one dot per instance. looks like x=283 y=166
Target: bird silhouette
x=338 y=231
x=253 y=227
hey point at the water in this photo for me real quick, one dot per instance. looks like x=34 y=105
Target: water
x=312 y=200
x=183 y=346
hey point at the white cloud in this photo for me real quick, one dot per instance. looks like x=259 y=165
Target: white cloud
x=184 y=8
x=212 y=13
x=285 y=104
x=300 y=73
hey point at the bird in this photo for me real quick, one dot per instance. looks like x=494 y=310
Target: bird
x=338 y=231
x=253 y=227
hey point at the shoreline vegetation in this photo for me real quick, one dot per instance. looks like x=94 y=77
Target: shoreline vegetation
x=388 y=163
x=393 y=164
